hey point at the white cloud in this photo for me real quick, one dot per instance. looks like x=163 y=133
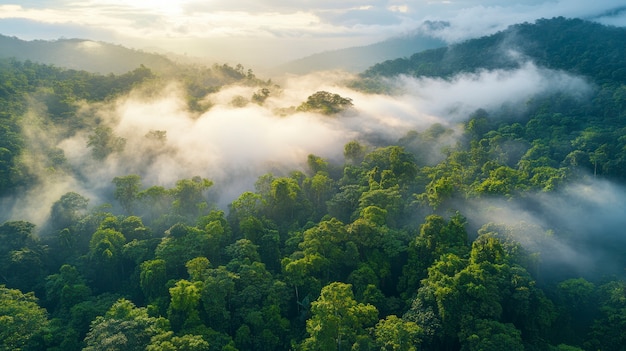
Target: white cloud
x=461 y=95
x=246 y=27
x=472 y=19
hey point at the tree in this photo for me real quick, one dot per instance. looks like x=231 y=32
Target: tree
x=217 y=292
x=198 y=268
x=133 y=229
x=67 y=210
x=607 y=332
x=66 y=288
x=283 y=203
x=105 y=254
x=156 y=203
x=126 y=191
x=260 y=96
x=169 y=342
x=319 y=188
x=337 y=320
x=490 y=335
x=189 y=198
x=21 y=255
x=396 y=334
x=182 y=244
x=327 y=250
x=388 y=199
x=183 y=310
x=325 y=103
x=316 y=164
x=577 y=302
x=436 y=238
x=21 y=320
x=503 y=181
x=124 y=327
x=103 y=143
x=248 y=204
x=153 y=277
x=354 y=152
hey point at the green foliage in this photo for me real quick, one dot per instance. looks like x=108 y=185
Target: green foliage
x=124 y=327
x=490 y=335
x=105 y=255
x=574 y=45
x=608 y=330
x=189 y=196
x=337 y=319
x=329 y=256
x=68 y=210
x=395 y=334
x=354 y=152
x=182 y=244
x=66 y=289
x=325 y=103
x=21 y=255
x=126 y=190
x=21 y=320
x=153 y=277
x=187 y=342
x=103 y=143
x=183 y=310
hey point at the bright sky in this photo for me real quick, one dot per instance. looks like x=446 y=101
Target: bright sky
x=274 y=31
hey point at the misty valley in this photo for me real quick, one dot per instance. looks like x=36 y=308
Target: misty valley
x=466 y=197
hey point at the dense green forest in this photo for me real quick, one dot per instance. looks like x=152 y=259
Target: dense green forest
x=574 y=45
x=383 y=250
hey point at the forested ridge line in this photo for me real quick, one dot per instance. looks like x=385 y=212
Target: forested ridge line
x=573 y=45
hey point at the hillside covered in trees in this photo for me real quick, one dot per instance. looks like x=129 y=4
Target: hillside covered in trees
x=573 y=45
x=501 y=228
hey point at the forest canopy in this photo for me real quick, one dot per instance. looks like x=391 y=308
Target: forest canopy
x=499 y=229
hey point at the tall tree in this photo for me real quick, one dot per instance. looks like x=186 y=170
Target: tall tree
x=21 y=320
x=124 y=327
x=337 y=320
x=189 y=199
x=126 y=190
x=103 y=143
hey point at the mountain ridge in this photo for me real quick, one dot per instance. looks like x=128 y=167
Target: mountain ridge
x=82 y=54
x=598 y=54
x=358 y=58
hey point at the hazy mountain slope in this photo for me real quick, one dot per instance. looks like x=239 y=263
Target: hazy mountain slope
x=357 y=59
x=81 y=54
x=573 y=45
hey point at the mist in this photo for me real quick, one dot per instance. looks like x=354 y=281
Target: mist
x=233 y=146
x=576 y=230
x=485 y=18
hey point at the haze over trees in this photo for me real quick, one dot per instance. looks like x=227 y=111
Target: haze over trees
x=404 y=244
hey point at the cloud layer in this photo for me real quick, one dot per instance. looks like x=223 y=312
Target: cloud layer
x=276 y=31
x=576 y=231
x=234 y=146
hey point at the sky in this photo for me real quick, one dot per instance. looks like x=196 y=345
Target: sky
x=271 y=32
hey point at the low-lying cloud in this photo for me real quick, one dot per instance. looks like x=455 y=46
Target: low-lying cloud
x=233 y=146
x=461 y=95
x=577 y=231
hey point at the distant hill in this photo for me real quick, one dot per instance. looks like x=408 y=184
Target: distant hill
x=572 y=45
x=79 y=54
x=357 y=59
